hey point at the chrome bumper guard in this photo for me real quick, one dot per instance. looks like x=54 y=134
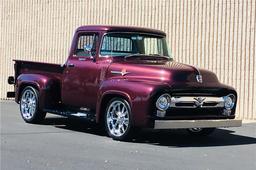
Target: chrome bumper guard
x=185 y=124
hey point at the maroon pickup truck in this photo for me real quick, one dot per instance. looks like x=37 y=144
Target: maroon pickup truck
x=124 y=78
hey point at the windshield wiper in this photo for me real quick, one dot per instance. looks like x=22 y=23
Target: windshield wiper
x=134 y=55
x=160 y=56
x=149 y=56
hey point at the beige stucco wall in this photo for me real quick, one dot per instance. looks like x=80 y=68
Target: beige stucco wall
x=218 y=35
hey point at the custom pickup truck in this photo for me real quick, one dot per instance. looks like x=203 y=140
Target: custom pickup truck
x=124 y=78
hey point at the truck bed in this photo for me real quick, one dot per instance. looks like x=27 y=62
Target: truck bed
x=22 y=66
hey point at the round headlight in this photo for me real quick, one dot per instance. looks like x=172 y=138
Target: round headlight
x=163 y=102
x=229 y=101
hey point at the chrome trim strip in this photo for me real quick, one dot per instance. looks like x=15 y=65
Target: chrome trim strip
x=81 y=59
x=184 y=124
x=123 y=73
x=196 y=101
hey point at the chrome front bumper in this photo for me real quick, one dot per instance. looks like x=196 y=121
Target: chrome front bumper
x=185 y=124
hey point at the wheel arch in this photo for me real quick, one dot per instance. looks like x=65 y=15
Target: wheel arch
x=45 y=84
x=23 y=85
x=106 y=97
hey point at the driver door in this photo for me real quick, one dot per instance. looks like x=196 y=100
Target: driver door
x=81 y=75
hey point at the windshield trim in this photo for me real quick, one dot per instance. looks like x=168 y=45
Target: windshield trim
x=126 y=32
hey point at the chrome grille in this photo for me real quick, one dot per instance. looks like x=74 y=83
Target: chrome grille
x=196 y=102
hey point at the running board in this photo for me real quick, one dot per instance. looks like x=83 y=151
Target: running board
x=68 y=113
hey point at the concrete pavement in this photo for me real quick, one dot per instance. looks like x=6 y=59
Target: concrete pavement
x=59 y=143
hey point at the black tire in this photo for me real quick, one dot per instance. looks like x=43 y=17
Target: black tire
x=29 y=106
x=201 y=131
x=127 y=119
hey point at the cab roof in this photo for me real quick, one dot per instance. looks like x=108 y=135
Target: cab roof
x=111 y=28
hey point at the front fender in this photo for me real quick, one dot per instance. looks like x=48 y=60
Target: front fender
x=47 y=86
x=139 y=94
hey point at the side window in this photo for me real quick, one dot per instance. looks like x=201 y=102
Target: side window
x=86 y=41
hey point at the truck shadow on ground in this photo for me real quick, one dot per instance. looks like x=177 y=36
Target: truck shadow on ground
x=170 y=138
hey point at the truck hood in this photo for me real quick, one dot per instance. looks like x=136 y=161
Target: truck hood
x=164 y=71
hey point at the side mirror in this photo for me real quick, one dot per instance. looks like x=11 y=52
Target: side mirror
x=88 y=48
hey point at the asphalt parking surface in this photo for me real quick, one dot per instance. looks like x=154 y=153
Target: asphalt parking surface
x=60 y=143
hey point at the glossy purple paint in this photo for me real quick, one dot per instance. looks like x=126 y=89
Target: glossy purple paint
x=88 y=82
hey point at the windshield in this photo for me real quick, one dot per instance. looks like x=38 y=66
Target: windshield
x=125 y=44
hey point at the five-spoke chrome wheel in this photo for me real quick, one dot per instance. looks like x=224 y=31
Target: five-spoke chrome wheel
x=117 y=118
x=29 y=108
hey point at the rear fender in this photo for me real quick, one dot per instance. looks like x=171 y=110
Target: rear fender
x=47 y=85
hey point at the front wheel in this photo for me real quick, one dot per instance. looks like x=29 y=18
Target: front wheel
x=118 y=122
x=201 y=131
x=29 y=106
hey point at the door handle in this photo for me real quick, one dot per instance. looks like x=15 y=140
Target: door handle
x=71 y=65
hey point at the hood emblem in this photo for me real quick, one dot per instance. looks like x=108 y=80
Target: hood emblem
x=199 y=78
x=123 y=72
x=199 y=101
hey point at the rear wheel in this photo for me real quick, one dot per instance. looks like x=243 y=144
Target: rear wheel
x=201 y=131
x=29 y=106
x=118 y=119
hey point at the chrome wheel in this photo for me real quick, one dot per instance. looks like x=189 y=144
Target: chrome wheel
x=28 y=104
x=195 y=130
x=117 y=118
x=201 y=131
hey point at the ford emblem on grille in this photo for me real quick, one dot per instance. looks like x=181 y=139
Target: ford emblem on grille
x=199 y=78
x=199 y=101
